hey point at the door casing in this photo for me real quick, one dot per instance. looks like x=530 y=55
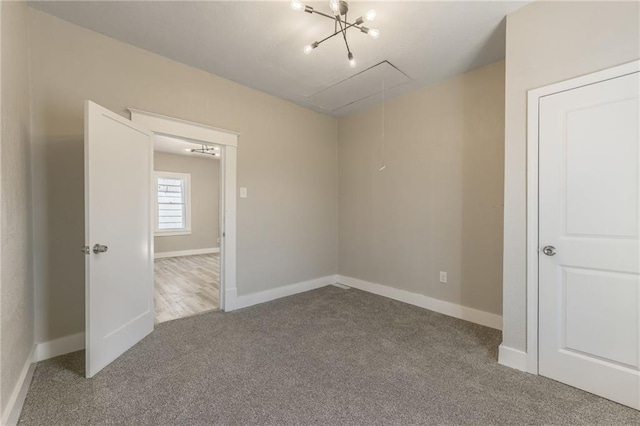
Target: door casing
x=228 y=141
x=533 y=98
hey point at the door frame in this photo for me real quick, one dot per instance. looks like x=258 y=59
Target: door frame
x=227 y=140
x=533 y=102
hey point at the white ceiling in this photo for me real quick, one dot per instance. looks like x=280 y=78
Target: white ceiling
x=180 y=147
x=259 y=44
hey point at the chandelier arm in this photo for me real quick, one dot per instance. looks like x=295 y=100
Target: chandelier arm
x=344 y=35
x=334 y=34
x=323 y=14
x=335 y=18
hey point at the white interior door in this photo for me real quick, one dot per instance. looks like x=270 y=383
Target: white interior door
x=589 y=290
x=119 y=244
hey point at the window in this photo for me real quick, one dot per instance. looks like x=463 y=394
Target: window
x=173 y=203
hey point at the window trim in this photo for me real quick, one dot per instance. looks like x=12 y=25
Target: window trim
x=187 y=195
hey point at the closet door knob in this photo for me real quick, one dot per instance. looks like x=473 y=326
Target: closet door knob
x=99 y=248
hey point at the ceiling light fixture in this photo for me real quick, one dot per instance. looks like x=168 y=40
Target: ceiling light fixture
x=339 y=8
x=210 y=150
x=352 y=62
x=370 y=16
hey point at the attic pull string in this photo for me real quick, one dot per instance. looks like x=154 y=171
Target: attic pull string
x=383 y=162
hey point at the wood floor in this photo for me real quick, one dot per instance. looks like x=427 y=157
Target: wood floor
x=186 y=286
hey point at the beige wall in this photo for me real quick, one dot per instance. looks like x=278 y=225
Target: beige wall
x=549 y=42
x=287 y=228
x=16 y=304
x=437 y=206
x=205 y=193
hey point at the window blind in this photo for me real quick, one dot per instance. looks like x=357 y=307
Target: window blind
x=171 y=204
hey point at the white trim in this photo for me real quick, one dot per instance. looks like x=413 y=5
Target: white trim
x=12 y=411
x=228 y=142
x=181 y=253
x=341 y=286
x=533 y=98
x=76 y=342
x=227 y=224
x=512 y=358
x=61 y=346
x=171 y=126
x=231 y=297
x=454 y=310
x=160 y=234
x=284 y=291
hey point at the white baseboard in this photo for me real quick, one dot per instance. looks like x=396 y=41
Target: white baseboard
x=230 y=299
x=342 y=286
x=513 y=358
x=458 y=311
x=193 y=252
x=61 y=346
x=76 y=342
x=284 y=291
x=12 y=411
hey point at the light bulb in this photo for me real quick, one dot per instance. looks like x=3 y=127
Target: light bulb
x=374 y=33
x=297 y=5
x=309 y=47
x=335 y=6
x=352 y=61
x=370 y=16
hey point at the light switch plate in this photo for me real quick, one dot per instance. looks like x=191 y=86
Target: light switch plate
x=243 y=192
x=443 y=277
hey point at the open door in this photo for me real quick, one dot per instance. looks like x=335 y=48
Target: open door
x=118 y=160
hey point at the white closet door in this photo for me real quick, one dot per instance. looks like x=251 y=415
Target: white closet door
x=589 y=334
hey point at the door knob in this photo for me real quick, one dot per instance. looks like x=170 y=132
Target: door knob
x=99 y=248
x=549 y=250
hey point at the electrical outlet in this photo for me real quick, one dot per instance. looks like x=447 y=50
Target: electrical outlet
x=443 y=277
x=218 y=239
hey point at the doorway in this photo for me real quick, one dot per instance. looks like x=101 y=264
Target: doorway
x=583 y=277
x=227 y=142
x=186 y=221
x=119 y=228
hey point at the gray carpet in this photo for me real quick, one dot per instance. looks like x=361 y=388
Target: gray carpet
x=329 y=356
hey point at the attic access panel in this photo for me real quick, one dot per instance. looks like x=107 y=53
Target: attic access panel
x=363 y=85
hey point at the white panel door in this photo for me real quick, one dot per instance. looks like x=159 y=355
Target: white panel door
x=589 y=334
x=119 y=250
